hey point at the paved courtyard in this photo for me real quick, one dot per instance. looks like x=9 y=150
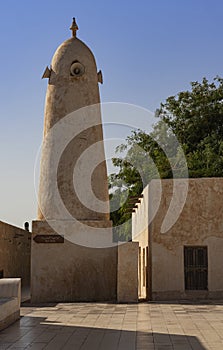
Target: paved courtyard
x=91 y=326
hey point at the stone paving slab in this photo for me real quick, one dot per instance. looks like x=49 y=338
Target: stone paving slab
x=101 y=326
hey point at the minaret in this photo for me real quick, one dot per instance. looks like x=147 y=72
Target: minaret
x=73 y=256
x=72 y=86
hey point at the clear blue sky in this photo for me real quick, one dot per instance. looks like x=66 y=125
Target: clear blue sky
x=147 y=50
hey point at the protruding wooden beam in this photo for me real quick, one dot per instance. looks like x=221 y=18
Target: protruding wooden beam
x=136 y=197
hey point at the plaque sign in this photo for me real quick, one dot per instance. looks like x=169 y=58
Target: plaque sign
x=48 y=239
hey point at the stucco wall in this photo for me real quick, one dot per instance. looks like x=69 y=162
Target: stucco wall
x=127 y=284
x=63 y=272
x=140 y=225
x=199 y=224
x=15 y=246
x=140 y=219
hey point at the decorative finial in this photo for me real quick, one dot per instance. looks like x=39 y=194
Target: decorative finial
x=74 y=27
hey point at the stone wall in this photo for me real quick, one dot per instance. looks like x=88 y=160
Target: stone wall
x=140 y=225
x=71 y=272
x=127 y=284
x=199 y=223
x=15 y=249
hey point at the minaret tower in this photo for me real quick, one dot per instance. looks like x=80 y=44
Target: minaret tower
x=67 y=259
x=72 y=85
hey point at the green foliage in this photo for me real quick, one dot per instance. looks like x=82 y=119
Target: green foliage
x=190 y=125
x=196 y=114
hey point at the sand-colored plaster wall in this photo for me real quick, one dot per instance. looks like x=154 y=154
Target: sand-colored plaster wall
x=140 y=225
x=127 y=284
x=67 y=272
x=200 y=224
x=15 y=249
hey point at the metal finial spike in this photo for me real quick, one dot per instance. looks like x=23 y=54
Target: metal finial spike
x=74 y=27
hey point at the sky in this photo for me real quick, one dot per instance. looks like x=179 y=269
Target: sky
x=147 y=50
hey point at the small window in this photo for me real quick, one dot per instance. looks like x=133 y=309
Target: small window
x=196 y=268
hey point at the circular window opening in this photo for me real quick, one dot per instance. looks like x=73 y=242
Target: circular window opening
x=77 y=69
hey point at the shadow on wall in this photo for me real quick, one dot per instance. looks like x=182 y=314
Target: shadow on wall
x=15 y=251
x=38 y=333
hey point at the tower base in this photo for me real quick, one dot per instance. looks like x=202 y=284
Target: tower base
x=79 y=265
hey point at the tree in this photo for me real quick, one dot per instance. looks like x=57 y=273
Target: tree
x=192 y=122
x=196 y=118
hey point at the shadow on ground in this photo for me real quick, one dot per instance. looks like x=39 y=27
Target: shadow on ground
x=33 y=332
